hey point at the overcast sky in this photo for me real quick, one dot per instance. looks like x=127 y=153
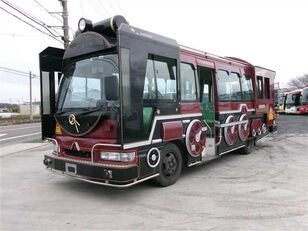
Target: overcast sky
x=268 y=33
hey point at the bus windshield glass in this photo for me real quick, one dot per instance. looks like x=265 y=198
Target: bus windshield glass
x=305 y=96
x=293 y=99
x=83 y=82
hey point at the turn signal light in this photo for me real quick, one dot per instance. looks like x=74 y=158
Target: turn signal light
x=58 y=129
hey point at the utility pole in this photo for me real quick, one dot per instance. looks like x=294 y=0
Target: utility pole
x=30 y=81
x=65 y=38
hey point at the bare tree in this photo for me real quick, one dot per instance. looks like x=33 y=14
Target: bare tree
x=299 y=81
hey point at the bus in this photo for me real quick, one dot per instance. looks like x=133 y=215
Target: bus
x=293 y=102
x=303 y=108
x=133 y=105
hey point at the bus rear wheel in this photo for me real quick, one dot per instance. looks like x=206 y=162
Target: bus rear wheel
x=248 y=148
x=170 y=166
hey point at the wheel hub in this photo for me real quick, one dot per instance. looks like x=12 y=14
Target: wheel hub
x=170 y=164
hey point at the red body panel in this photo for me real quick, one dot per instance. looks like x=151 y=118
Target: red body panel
x=172 y=130
x=187 y=108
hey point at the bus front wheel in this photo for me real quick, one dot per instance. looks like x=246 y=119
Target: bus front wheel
x=170 y=166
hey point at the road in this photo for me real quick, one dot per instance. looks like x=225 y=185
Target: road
x=20 y=133
x=266 y=190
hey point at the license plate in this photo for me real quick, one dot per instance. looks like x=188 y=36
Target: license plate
x=70 y=169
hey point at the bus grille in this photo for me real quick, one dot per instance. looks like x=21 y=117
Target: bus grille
x=76 y=153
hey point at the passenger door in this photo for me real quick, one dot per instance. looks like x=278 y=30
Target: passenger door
x=50 y=66
x=208 y=108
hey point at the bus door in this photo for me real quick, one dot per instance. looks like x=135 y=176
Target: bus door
x=50 y=73
x=208 y=108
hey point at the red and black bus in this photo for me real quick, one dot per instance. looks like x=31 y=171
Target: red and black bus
x=133 y=105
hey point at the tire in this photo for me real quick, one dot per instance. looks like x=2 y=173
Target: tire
x=249 y=146
x=170 y=166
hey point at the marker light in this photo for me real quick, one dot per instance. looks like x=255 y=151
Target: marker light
x=117 y=156
x=84 y=25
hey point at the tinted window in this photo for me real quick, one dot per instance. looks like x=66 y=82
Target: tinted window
x=188 y=83
x=160 y=80
x=223 y=85
x=266 y=88
x=149 y=90
x=260 y=87
x=229 y=88
x=235 y=87
x=246 y=87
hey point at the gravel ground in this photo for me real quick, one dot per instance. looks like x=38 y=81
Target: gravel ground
x=266 y=190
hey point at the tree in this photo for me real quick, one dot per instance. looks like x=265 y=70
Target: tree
x=299 y=81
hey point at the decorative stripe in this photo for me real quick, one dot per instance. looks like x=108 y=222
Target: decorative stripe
x=157 y=141
x=106 y=182
x=234 y=111
x=158 y=118
x=230 y=150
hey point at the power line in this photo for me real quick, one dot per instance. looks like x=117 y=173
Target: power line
x=17 y=72
x=44 y=8
x=30 y=24
x=37 y=21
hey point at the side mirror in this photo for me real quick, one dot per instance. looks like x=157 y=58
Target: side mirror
x=111 y=88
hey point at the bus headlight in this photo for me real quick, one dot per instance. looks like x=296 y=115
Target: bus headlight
x=117 y=156
x=127 y=156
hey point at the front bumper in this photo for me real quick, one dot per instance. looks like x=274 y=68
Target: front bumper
x=101 y=174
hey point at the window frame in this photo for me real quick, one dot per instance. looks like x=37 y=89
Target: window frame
x=195 y=81
x=267 y=90
x=260 y=96
x=156 y=100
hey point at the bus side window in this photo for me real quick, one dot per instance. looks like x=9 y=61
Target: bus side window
x=188 y=83
x=223 y=85
x=260 y=87
x=266 y=88
x=236 y=94
x=160 y=79
x=246 y=87
x=229 y=87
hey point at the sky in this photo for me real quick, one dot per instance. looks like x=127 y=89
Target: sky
x=267 y=33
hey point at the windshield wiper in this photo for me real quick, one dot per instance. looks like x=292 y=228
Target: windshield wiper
x=64 y=111
x=88 y=111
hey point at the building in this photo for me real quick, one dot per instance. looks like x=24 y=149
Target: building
x=25 y=109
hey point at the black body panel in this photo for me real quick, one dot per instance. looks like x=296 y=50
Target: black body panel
x=141 y=44
x=95 y=172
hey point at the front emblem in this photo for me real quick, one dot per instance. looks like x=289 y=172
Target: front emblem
x=72 y=120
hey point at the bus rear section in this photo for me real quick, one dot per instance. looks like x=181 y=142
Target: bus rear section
x=132 y=105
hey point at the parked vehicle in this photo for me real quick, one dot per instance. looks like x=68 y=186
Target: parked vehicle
x=134 y=105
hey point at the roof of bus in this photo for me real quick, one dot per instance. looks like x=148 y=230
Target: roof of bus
x=221 y=58
x=217 y=57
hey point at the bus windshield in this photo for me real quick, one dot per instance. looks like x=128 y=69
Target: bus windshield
x=83 y=82
x=293 y=99
x=305 y=96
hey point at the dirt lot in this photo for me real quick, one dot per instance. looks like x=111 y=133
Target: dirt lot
x=267 y=190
